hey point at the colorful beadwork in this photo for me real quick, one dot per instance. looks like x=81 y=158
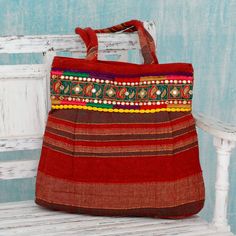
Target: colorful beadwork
x=118 y=110
x=153 y=93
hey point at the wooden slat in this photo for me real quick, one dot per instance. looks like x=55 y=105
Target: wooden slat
x=72 y=43
x=18 y=169
x=23 y=106
x=19 y=143
x=27 y=218
x=68 y=43
x=36 y=71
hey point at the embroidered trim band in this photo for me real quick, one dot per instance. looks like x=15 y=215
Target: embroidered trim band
x=74 y=90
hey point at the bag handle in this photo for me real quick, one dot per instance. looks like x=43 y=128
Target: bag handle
x=146 y=41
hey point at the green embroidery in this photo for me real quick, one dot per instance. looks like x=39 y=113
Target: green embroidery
x=126 y=93
x=68 y=73
x=99 y=105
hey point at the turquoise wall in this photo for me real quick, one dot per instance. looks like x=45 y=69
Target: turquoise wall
x=198 y=31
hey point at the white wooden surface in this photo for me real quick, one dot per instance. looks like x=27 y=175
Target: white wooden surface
x=24 y=103
x=18 y=169
x=27 y=218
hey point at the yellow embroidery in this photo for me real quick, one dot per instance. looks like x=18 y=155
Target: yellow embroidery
x=119 y=110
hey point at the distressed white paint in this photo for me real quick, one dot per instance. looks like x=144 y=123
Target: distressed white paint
x=223 y=149
x=37 y=77
x=18 y=169
x=21 y=104
x=23 y=116
x=22 y=71
x=27 y=218
x=20 y=143
x=68 y=43
x=47 y=59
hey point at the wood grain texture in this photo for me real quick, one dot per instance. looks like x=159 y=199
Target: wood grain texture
x=22 y=101
x=68 y=43
x=27 y=218
x=18 y=169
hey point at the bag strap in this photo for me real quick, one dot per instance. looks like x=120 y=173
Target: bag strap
x=146 y=41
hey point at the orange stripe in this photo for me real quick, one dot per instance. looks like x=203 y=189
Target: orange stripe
x=124 y=142
x=122 y=154
x=93 y=148
x=148 y=78
x=93 y=130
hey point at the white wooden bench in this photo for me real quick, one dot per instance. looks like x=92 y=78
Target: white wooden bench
x=24 y=102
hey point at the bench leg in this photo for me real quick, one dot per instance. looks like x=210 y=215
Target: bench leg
x=223 y=149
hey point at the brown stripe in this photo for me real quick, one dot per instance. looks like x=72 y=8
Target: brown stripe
x=111 y=149
x=123 y=137
x=91 y=130
x=85 y=116
x=123 y=154
x=120 y=195
x=111 y=137
x=178 y=212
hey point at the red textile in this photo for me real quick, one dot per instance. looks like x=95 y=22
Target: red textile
x=117 y=163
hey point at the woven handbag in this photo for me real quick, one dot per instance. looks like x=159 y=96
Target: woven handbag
x=120 y=138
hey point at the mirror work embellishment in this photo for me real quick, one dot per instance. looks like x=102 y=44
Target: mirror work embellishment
x=145 y=94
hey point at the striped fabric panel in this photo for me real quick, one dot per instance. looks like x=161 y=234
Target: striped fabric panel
x=79 y=153
x=121 y=196
x=100 y=139
x=122 y=146
x=153 y=197
x=118 y=129
x=120 y=164
x=120 y=169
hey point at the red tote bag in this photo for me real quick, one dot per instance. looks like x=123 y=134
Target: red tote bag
x=120 y=138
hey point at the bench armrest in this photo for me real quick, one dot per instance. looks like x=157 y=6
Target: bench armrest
x=224 y=140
